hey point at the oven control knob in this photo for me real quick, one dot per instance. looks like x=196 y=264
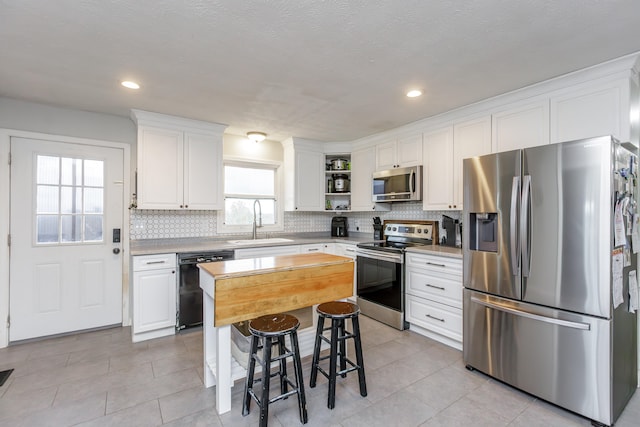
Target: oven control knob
x=394 y=229
x=388 y=228
x=419 y=230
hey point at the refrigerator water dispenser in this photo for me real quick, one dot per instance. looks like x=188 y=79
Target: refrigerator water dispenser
x=483 y=232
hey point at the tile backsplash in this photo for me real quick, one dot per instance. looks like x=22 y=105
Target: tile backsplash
x=161 y=224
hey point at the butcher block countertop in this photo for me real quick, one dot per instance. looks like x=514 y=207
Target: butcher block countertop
x=247 y=288
x=253 y=266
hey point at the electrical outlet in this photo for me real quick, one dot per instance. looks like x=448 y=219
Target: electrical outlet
x=357 y=224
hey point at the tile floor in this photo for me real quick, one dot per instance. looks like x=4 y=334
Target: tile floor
x=102 y=379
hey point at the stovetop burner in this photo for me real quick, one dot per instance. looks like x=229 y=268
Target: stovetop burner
x=401 y=235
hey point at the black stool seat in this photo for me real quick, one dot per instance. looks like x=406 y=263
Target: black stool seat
x=338 y=312
x=265 y=332
x=273 y=324
x=338 y=309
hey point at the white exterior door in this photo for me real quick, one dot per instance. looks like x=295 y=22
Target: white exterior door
x=65 y=274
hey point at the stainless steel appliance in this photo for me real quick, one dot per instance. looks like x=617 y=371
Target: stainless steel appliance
x=340 y=183
x=380 y=269
x=189 y=292
x=543 y=270
x=398 y=185
x=377 y=228
x=339 y=226
x=339 y=164
x=453 y=228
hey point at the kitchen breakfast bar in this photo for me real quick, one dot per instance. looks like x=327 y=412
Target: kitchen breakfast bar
x=244 y=289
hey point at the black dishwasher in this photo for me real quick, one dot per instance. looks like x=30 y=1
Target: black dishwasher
x=189 y=292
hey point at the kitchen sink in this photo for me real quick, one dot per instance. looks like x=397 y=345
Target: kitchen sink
x=259 y=241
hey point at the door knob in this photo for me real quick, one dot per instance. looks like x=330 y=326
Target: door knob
x=116 y=251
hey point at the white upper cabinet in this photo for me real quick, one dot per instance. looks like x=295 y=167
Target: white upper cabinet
x=438 y=171
x=203 y=164
x=304 y=182
x=589 y=110
x=179 y=163
x=470 y=138
x=403 y=152
x=363 y=164
x=520 y=126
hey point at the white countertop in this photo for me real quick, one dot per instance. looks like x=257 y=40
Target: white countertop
x=447 y=251
x=199 y=244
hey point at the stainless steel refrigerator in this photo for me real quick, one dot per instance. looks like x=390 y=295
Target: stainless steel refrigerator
x=542 y=270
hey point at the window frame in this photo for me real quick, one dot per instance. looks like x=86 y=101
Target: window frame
x=35 y=214
x=223 y=228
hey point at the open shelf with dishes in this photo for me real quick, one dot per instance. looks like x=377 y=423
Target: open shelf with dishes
x=338 y=182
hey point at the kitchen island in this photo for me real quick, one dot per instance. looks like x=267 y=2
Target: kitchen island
x=243 y=289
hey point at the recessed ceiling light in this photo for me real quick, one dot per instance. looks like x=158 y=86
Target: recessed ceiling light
x=256 y=136
x=130 y=85
x=414 y=93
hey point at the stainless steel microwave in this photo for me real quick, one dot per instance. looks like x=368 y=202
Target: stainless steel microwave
x=398 y=185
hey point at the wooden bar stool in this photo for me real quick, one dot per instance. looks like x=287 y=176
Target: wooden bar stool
x=267 y=331
x=338 y=312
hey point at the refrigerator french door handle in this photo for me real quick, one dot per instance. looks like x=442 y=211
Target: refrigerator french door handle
x=524 y=225
x=532 y=316
x=513 y=222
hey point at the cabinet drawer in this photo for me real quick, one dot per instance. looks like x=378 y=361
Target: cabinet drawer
x=154 y=262
x=316 y=247
x=435 y=317
x=345 y=249
x=442 y=288
x=435 y=263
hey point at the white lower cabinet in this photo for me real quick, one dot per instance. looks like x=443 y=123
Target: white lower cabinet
x=434 y=297
x=154 y=296
x=349 y=250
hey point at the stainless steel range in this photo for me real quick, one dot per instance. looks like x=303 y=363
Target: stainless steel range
x=380 y=278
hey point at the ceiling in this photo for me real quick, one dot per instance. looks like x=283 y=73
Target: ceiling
x=324 y=70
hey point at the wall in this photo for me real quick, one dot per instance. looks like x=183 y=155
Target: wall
x=30 y=116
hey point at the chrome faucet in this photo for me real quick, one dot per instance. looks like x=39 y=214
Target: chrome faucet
x=255 y=223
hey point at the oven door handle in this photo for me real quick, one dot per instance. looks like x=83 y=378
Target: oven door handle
x=379 y=255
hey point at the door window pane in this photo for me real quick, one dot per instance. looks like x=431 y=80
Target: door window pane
x=69 y=200
x=47 y=228
x=93 y=198
x=48 y=170
x=71 y=228
x=93 y=228
x=47 y=199
x=71 y=171
x=93 y=173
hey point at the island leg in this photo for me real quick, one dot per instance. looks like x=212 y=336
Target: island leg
x=223 y=369
x=209 y=344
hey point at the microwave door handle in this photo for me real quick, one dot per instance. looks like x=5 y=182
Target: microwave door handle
x=412 y=181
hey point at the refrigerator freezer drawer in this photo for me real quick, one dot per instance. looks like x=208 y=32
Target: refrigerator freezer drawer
x=561 y=357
